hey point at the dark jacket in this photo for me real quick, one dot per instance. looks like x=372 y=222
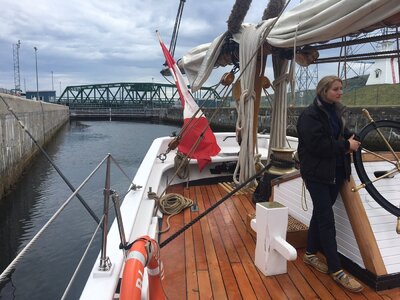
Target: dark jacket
x=318 y=149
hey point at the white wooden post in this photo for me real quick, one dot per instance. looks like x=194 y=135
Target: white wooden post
x=272 y=250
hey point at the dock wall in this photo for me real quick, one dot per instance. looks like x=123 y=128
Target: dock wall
x=17 y=149
x=225 y=118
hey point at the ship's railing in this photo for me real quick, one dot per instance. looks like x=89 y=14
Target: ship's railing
x=105 y=263
x=103 y=222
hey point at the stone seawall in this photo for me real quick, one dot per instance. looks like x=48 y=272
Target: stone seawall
x=225 y=119
x=17 y=149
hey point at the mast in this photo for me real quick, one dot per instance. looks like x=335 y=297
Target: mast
x=174 y=37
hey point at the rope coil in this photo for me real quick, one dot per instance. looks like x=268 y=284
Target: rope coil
x=172 y=204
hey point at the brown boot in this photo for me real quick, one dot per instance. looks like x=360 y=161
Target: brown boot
x=347 y=281
x=313 y=260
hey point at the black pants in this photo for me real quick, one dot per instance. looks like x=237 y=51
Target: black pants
x=322 y=232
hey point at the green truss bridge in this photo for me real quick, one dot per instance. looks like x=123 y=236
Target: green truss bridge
x=135 y=99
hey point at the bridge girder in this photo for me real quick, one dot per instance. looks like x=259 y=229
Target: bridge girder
x=128 y=94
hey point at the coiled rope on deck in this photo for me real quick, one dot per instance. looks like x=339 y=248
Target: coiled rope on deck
x=172 y=204
x=212 y=207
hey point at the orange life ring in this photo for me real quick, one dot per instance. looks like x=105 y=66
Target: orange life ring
x=143 y=253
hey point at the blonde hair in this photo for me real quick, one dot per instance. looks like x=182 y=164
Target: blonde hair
x=325 y=84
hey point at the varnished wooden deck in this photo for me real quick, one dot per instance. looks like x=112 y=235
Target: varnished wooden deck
x=214 y=259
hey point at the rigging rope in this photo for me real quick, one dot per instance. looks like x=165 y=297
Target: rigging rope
x=264 y=30
x=251 y=38
x=172 y=204
x=194 y=146
x=304 y=205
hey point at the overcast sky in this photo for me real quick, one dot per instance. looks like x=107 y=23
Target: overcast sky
x=102 y=41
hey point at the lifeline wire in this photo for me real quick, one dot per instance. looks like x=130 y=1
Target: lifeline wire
x=9 y=268
x=91 y=212
x=81 y=261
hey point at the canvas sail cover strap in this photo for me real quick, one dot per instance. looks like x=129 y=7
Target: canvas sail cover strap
x=314 y=20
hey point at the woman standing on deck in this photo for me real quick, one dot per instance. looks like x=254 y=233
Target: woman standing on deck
x=324 y=150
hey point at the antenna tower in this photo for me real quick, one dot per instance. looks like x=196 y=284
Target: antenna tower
x=17 y=78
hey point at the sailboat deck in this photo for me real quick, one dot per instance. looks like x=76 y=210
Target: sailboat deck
x=214 y=259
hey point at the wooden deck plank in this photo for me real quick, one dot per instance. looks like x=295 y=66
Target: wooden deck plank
x=240 y=225
x=205 y=285
x=218 y=216
x=172 y=254
x=238 y=216
x=229 y=280
x=371 y=294
x=214 y=270
x=245 y=257
x=215 y=258
x=330 y=285
x=338 y=291
x=390 y=294
x=244 y=283
x=190 y=257
x=241 y=229
x=248 y=205
x=201 y=259
x=300 y=282
x=311 y=278
x=288 y=287
x=237 y=201
x=273 y=287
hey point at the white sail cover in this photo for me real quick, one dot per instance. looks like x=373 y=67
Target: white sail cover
x=310 y=22
x=323 y=20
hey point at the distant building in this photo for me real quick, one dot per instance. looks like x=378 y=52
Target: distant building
x=46 y=96
x=384 y=70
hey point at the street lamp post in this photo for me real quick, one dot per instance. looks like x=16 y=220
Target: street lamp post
x=52 y=81
x=37 y=78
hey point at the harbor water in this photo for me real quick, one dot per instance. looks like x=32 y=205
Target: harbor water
x=45 y=271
